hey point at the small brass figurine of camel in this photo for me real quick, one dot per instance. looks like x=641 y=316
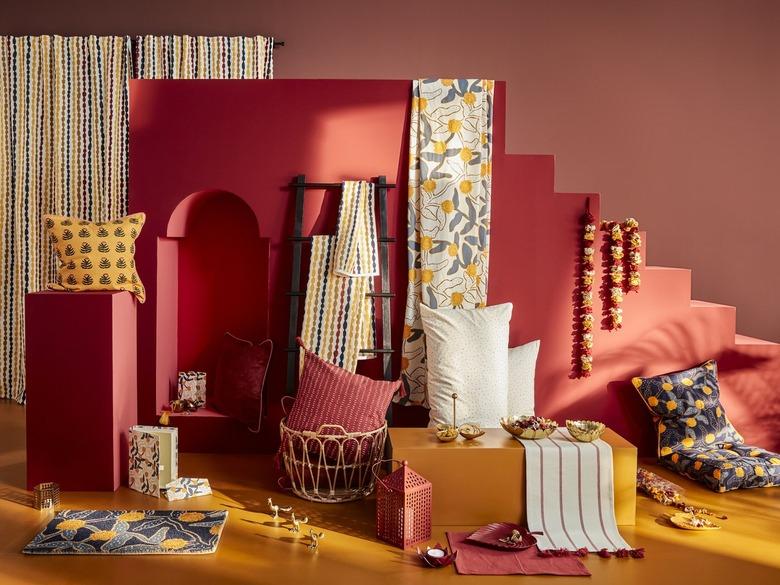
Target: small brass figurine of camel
x=316 y=537
x=276 y=509
x=296 y=523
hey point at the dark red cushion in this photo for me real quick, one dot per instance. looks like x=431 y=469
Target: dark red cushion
x=241 y=370
x=331 y=395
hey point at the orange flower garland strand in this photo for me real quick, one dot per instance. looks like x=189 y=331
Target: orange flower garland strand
x=587 y=272
x=620 y=235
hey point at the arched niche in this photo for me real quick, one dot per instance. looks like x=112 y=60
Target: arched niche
x=212 y=277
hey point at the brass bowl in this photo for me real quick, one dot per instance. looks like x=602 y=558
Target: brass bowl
x=585 y=431
x=528 y=433
x=470 y=431
x=446 y=433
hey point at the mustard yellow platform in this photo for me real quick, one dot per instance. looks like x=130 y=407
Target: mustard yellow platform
x=255 y=551
x=483 y=481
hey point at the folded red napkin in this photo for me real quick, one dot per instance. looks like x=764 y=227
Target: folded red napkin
x=475 y=559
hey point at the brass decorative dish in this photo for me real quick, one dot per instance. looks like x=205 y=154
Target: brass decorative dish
x=446 y=433
x=528 y=427
x=470 y=431
x=690 y=521
x=585 y=431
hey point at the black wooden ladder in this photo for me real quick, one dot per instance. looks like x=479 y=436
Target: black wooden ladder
x=300 y=186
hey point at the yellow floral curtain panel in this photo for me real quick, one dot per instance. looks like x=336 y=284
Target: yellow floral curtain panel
x=64 y=144
x=450 y=157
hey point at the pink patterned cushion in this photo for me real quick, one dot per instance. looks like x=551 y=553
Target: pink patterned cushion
x=330 y=395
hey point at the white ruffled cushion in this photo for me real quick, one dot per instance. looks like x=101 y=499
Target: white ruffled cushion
x=467 y=354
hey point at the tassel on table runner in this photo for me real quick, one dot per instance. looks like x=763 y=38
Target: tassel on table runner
x=570 y=497
x=356 y=243
x=338 y=317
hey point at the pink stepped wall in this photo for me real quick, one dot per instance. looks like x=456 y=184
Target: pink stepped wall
x=251 y=137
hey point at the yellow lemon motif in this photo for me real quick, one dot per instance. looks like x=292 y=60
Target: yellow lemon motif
x=426 y=243
x=415 y=104
x=702 y=456
x=439 y=147
x=446 y=82
x=484 y=138
x=661 y=428
x=687 y=442
x=637 y=382
x=667 y=386
x=707 y=390
x=652 y=401
x=718 y=411
x=687 y=382
x=483 y=170
x=426 y=275
x=774 y=461
x=716 y=473
x=412 y=274
x=71 y=525
x=709 y=438
x=453 y=125
x=173 y=543
x=102 y=535
x=675 y=458
x=471 y=270
x=665 y=451
x=465 y=154
x=407 y=331
x=214 y=530
x=131 y=516
x=457 y=299
x=739 y=472
x=697 y=465
x=469 y=98
x=759 y=470
x=708 y=365
x=429 y=185
x=671 y=405
x=754 y=453
x=466 y=186
x=452 y=250
x=447 y=206
x=191 y=516
x=423 y=103
x=699 y=404
x=404 y=363
x=691 y=422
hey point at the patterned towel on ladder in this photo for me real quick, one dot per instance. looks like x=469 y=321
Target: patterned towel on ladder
x=338 y=317
x=570 y=495
x=356 y=243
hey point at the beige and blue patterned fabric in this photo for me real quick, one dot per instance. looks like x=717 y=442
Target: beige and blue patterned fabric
x=450 y=160
x=129 y=532
x=695 y=437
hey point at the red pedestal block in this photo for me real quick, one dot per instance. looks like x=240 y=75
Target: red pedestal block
x=81 y=388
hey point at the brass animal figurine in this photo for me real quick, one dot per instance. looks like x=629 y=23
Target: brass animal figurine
x=296 y=523
x=276 y=509
x=316 y=537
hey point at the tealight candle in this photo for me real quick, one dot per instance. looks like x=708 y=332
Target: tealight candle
x=435 y=553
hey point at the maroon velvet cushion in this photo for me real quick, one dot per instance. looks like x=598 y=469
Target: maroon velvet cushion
x=241 y=371
x=331 y=395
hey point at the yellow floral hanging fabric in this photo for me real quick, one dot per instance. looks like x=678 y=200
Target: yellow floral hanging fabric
x=450 y=155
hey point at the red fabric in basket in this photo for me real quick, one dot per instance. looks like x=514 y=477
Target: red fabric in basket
x=329 y=395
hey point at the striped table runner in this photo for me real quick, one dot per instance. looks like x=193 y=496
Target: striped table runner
x=570 y=494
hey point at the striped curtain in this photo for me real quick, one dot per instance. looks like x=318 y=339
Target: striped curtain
x=64 y=144
x=63 y=150
x=186 y=57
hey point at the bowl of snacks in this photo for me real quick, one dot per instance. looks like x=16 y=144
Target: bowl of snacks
x=585 y=431
x=446 y=433
x=470 y=431
x=528 y=427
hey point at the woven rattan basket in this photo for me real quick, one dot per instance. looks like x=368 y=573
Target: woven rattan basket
x=331 y=465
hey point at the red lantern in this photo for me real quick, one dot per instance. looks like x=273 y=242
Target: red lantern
x=404 y=500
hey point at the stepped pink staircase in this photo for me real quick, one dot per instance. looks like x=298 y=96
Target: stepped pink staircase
x=249 y=138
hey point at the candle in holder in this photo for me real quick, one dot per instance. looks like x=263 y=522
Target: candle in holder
x=46 y=496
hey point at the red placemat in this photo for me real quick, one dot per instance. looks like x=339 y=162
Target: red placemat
x=474 y=559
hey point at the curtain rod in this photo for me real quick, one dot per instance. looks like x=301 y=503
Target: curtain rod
x=278 y=44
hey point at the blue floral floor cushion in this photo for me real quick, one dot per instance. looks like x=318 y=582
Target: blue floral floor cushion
x=129 y=532
x=695 y=437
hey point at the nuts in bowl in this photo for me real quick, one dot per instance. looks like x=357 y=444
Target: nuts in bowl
x=585 y=431
x=528 y=427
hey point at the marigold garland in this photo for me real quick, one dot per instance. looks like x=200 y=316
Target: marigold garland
x=584 y=362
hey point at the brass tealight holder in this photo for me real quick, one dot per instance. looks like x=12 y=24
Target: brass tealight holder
x=447 y=433
x=46 y=496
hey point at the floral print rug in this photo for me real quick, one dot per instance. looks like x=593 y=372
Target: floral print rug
x=129 y=532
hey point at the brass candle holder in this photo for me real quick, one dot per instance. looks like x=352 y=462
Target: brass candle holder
x=447 y=433
x=46 y=496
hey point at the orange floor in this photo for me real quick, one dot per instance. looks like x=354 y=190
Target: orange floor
x=253 y=551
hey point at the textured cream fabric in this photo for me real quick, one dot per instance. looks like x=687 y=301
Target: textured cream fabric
x=467 y=354
x=522 y=372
